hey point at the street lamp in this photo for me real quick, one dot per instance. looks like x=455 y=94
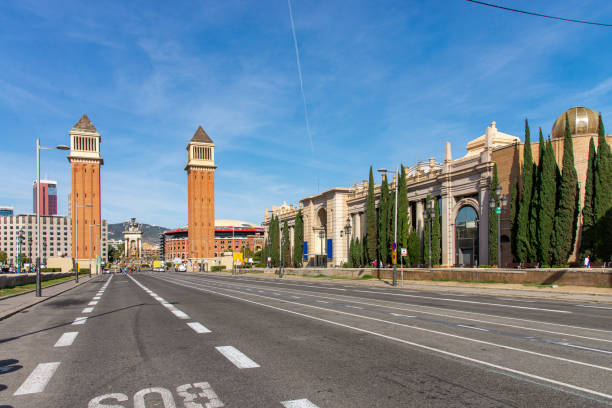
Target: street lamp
x=430 y=214
x=38 y=236
x=92 y=225
x=497 y=204
x=347 y=232
x=395 y=225
x=76 y=228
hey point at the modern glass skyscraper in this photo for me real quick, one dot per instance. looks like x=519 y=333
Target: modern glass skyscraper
x=48 y=197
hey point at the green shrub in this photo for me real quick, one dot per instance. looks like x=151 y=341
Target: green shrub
x=50 y=269
x=217 y=268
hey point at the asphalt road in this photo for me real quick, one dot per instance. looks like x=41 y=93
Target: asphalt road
x=211 y=340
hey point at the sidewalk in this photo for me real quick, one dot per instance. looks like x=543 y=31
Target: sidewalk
x=564 y=293
x=10 y=305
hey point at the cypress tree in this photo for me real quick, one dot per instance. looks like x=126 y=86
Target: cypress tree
x=383 y=221
x=436 y=235
x=546 y=204
x=602 y=192
x=426 y=236
x=533 y=210
x=274 y=241
x=352 y=263
x=493 y=220
x=523 y=245
x=515 y=200
x=358 y=253
x=402 y=211
x=365 y=261
x=588 y=219
x=286 y=245
x=371 y=220
x=414 y=248
x=390 y=224
x=564 y=232
x=298 y=239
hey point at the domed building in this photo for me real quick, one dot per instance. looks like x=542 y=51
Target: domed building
x=461 y=187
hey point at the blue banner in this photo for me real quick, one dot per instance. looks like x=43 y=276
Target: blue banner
x=305 y=250
x=330 y=249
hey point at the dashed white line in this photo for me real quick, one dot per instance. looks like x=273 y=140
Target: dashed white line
x=400 y=315
x=96 y=298
x=198 y=327
x=596 y=307
x=237 y=357
x=301 y=403
x=92 y=303
x=80 y=320
x=322 y=301
x=87 y=310
x=472 y=327
x=67 y=339
x=38 y=379
x=180 y=314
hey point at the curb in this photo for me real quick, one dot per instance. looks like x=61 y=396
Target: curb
x=20 y=308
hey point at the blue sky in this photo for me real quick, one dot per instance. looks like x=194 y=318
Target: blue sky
x=385 y=82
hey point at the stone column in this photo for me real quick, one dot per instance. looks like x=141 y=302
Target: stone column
x=447 y=228
x=420 y=217
x=483 y=227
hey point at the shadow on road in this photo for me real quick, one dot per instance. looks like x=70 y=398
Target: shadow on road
x=70 y=323
x=8 y=366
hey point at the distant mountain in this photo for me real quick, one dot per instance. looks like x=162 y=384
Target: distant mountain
x=150 y=233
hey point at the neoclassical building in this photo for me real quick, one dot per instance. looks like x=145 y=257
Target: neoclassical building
x=461 y=185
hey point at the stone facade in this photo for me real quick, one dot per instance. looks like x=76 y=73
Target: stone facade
x=461 y=187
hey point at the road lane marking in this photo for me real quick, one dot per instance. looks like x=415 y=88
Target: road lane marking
x=67 y=339
x=237 y=357
x=417 y=328
x=561 y=343
x=322 y=301
x=80 y=320
x=96 y=298
x=466 y=318
x=517 y=300
x=198 y=327
x=38 y=379
x=400 y=315
x=596 y=307
x=301 y=403
x=180 y=314
x=92 y=303
x=422 y=346
x=87 y=310
x=354 y=307
x=472 y=327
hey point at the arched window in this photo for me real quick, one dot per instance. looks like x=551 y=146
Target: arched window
x=466 y=237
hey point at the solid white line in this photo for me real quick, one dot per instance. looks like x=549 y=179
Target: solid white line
x=301 y=403
x=583 y=347
x=198 y=327
x=237 y=357
x=596 y=307
x=517 y=300
x=38 y=379
x=92 y=303
x=422 y=346
x=426 y=330
x=478 y=303
x=67 y=339
x=87 y=310
x=350 y=298
x=80 y=320
x=180 y=314
x=472 y=327
x=322 y=301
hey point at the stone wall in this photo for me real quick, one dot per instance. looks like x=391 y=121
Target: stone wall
x=597 y=277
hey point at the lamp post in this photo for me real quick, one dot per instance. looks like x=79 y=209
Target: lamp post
x=92 y=225
x=430 y=215
x=76 y=228
x=322 y=235
x=347 y=232
x=395 y=224
x=497 y=203
x=233 y=263
x=38 y=234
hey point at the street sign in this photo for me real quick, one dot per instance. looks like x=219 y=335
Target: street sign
x=394 y=257
x=394 y=246
x=404 y=252
x=497 y=210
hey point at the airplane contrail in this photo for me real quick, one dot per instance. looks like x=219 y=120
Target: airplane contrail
x=299 y=66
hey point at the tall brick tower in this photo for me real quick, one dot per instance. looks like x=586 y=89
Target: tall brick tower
x=201 y=195
x=85 y=162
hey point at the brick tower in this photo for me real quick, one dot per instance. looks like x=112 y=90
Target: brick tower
x=85 y=162
x=201 y=195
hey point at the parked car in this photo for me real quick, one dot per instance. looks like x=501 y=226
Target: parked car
x=181 y=268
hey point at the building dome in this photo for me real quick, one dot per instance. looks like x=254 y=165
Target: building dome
x=582 y=121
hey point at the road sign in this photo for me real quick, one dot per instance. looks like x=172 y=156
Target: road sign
x=497 y=210
x=394 y=246
x=404 y=252
x=394 y=257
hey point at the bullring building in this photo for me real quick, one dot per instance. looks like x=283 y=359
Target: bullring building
x=460 y=184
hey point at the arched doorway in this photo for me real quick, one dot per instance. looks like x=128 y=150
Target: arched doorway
x=466 y=236
x=321 y=238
